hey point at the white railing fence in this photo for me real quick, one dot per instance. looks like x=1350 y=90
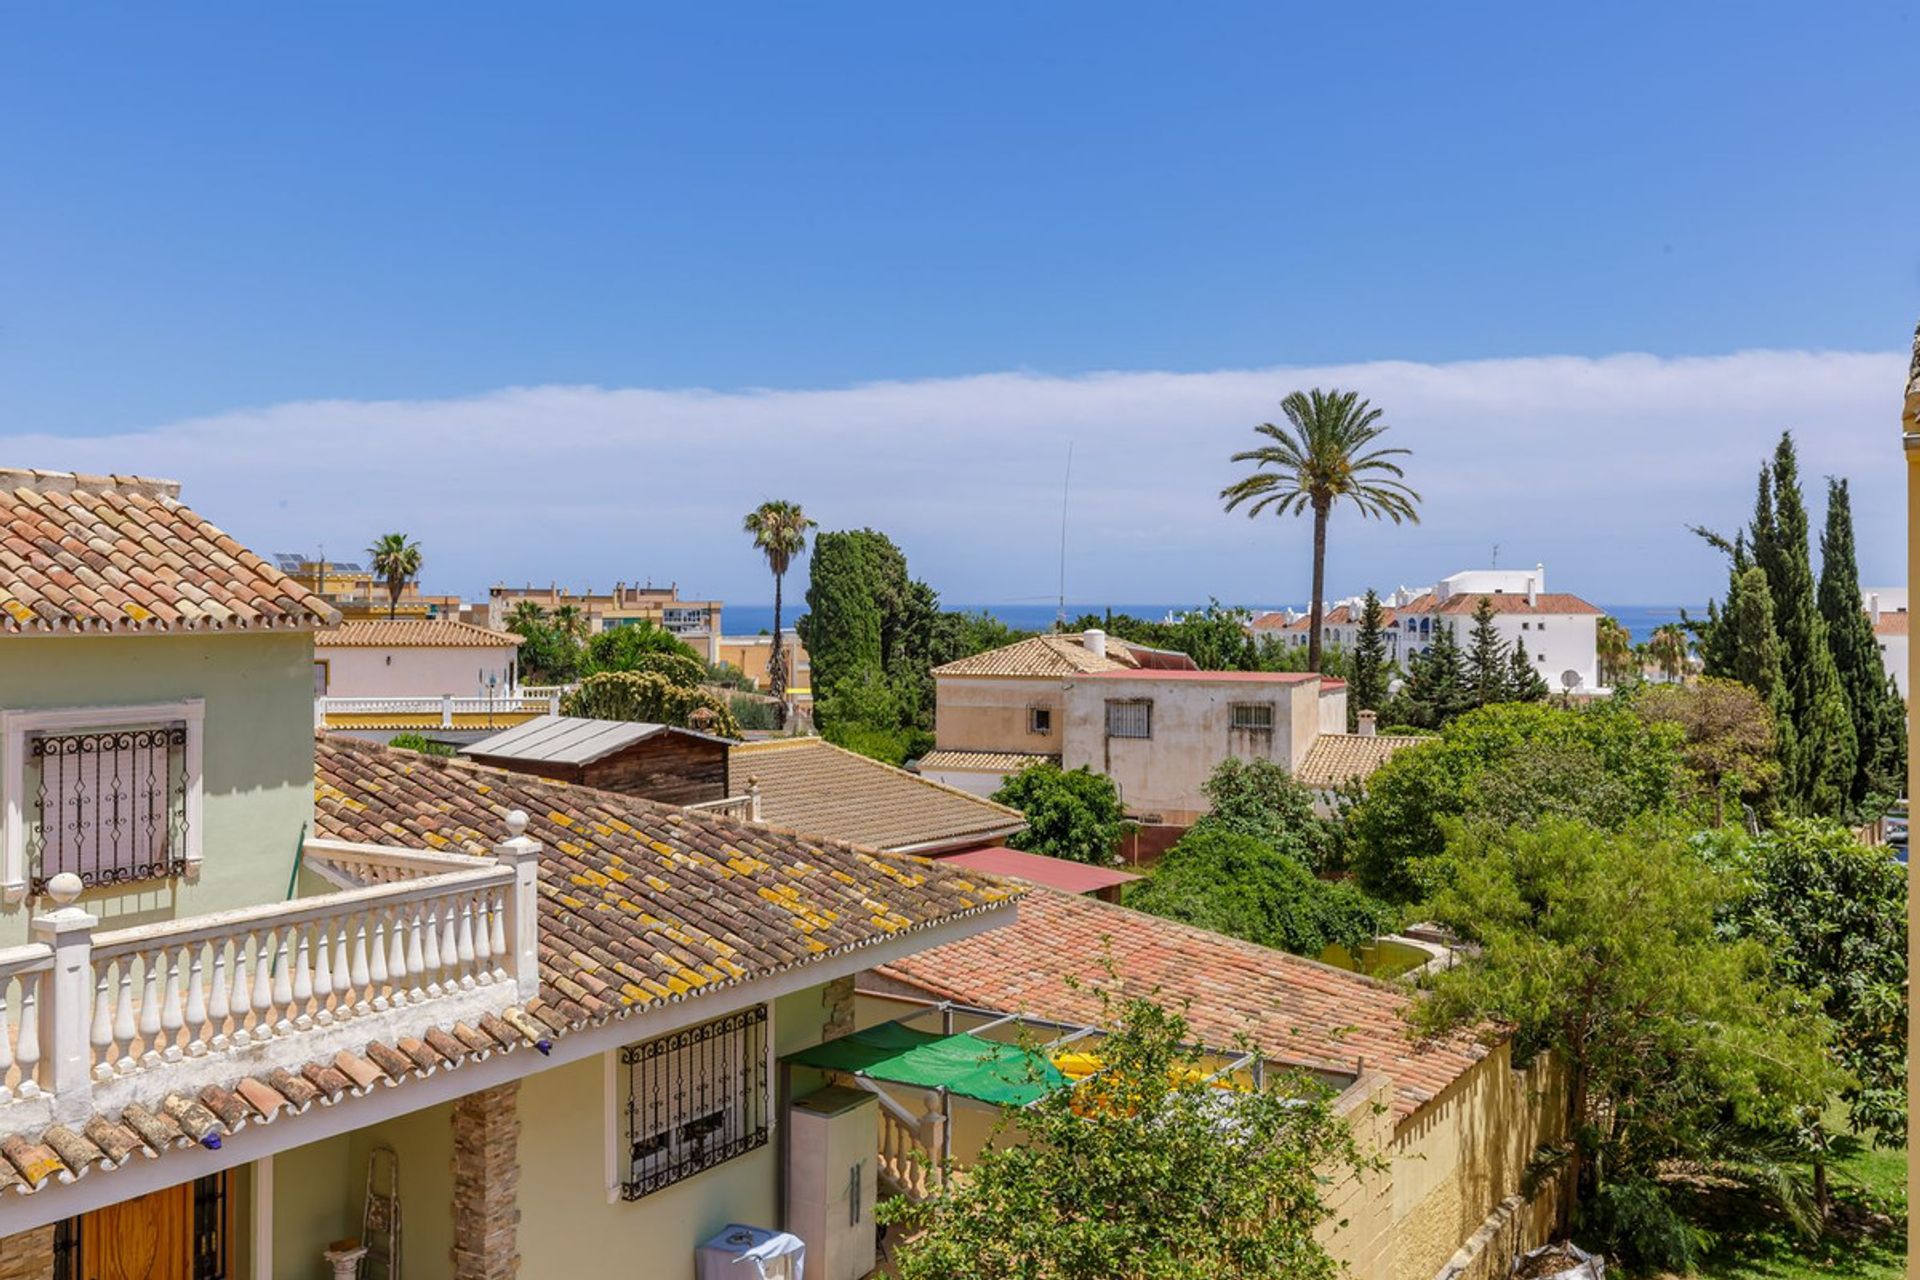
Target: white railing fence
x=909 y=1159
x=80 y=1008
x=745 y=806
x=348 y=865
x=444 y=706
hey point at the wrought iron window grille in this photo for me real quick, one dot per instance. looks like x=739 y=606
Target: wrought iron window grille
x=109 y=805
x=695 y=1099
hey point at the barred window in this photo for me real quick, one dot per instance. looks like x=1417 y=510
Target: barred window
x=694 y=1099
x=108 y=805
x=1130 y=719
x=1253 y=715
x=1039 y=719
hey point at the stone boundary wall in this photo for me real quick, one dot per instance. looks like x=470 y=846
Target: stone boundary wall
x=1516 y=1225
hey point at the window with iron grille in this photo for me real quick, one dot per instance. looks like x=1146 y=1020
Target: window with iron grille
x=1039 y=719
x=1253 y=715
x=1130 y=719
x=109 y=805
x=694 y=1099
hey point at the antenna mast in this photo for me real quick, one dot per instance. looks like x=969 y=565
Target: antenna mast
x=1065 y=486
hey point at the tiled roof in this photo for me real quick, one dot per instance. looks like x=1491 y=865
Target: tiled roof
x=1335 y=758
x=643 y=902
x=1050 y=655
x=414 y=633
x=813 y=787
x=1422 y=603
x=985 y=761
x=120 y=554
x=1891 y=624
x=1553 y=602
x=1270 y=622
x=1195 y=675
x=1036 y=868
x=1053 y=962
x=178 y=1121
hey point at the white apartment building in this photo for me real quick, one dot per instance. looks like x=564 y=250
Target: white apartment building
x=1887 y=606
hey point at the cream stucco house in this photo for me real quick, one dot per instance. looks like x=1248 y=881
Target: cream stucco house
x=240 y=960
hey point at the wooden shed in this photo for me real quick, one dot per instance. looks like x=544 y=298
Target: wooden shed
x=654 y=761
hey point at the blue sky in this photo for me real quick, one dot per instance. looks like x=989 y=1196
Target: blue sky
x=209 y=218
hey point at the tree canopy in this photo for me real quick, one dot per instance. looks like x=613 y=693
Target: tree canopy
x=1071 y=813
x=1727 y=741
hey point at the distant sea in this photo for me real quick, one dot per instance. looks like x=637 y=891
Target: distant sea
x=750 y=619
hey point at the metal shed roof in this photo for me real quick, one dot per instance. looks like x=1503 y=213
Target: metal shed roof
x=571 y=739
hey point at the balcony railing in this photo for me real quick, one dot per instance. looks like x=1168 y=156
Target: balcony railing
x=444 y=708
x=430 y=940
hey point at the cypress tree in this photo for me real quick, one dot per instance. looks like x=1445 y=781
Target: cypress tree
x=1486 y=657
x=1367 y=683
x=1818 y=775
x=1524 y=683
x=1718 y=638
x=1879 y=722
x=1756 y=649
x=1436 y=690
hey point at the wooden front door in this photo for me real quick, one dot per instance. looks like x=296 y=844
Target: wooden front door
x=154 y=1237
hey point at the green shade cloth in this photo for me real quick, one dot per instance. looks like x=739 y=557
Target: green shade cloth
x=1003 y=1074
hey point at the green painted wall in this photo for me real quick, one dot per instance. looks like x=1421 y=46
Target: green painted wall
x=316 y=1200
x=258 y=751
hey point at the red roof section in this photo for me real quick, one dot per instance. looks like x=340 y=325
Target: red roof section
x=1263 y=677
x=1555 y=602
x=1053 y=962
x=1052 y=873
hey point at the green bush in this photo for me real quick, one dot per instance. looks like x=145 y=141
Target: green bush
x=652 y=698
x=753 y=713
x=1236 y=884
x=1074 y=814
x=1261 y=799
x=421 y=743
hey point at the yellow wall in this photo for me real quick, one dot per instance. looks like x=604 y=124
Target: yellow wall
x=568 y=1226
x=975 y=713
x=257 y=761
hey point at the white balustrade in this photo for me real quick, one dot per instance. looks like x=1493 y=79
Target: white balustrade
x=22 y=971
x=445 y=707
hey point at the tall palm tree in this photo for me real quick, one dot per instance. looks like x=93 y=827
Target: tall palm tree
x=525 y=616
x=1614 y=647
x=1320 y=457
x=571 y=622
x=1668 y=649
x=396 y=560
x=779 y=531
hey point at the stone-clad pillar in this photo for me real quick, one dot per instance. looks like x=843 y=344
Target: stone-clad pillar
x=486 y=1184
x=27 y=1255
x=839 y=1000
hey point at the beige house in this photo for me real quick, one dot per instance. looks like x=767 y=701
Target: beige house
x=753 y=655
x=413 y=657
x=1150 y=720
x=695 y=621
x=248 y=969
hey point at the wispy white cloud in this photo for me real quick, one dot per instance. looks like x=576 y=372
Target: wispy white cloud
x=1593 y=466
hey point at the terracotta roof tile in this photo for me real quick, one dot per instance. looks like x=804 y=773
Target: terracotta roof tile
x=1891 y=624
x=1335 y=758
x=1053 y=963
x=985 y=761
x=413 y=633
x=121 y=554
x=1545 y=602
x=811 y=786
x=1049 y=655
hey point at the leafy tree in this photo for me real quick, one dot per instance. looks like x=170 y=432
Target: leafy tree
x=1436 y=689
x=395 y=560
x=1879 y=719
x=1524 y=682
x=1819 y=761
x=1215 y=637
x=570 y=620
x=1833 y=915
x=634 y=648
x=1488 y=663
x=1261 y=799
x=866 y=713
x=1071 y=813
x=1727 y=743
x=1323 y=455
x=524 y=614
x=1669 y=649
x=779 y=532
x=652 y=698
x=546 y=655
x=1219 y=879
x=1367 y=675
x=857 y=591
x=1750 y=653
x=422 y=743
x=1509 y=763
x=1603 y=948
x=1145 y=1172
x=1613 y=645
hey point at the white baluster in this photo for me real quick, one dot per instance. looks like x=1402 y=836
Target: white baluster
x=241 y=1001
x=27 y=1055
x=381 y=972
x=171 y=1018
x=269 y=968
x=101 y=1036
x=124 y=1027
x=359 y=972
x=431 y=914
x=6 y=1043
x=323 y=978
x=283 y=983
x=196 y=1001
x=482 y=938
x=416 y=957
x=303 y=979
x=342 y=973
x=463 y=948
x=220 y=1007
x=150 y=1009
x=497 y=909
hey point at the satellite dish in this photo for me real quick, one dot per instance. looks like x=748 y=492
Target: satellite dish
x=1570 y=680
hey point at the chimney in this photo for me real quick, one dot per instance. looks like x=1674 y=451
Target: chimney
x=1095 y=641
x=1369 y=723
x=1873 y=607
x=1533 y=586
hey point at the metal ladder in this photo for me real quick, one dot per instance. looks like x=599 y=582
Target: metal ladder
x=380 y=1218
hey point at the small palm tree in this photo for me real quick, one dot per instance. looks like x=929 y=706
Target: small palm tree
x=1668 y=649
x=570 y=622
x=1614 y=646
x=396 y=560
x=1322 y=456
x=779 y=531
x=525 y=616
